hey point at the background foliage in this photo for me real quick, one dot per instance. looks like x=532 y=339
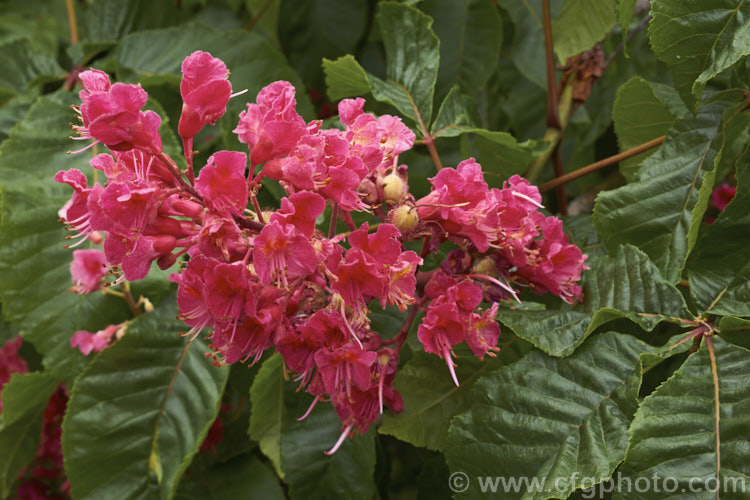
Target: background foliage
x=594 y=389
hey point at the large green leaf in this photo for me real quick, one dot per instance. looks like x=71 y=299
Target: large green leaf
x=431 y=399
x=471 y=34
x=661 y=212
x=699 y=40
x=241 y=477
x=140 y=411
x=549 y=418
x=719 y=267
x=25 y=398
x=639 y=116
x=23 y=66
x=313 y=29
x=528 y=37
x=625 y=285
x=34 y=265
x=412 y=53
x=296 y=448
x=673 y=434
x=580 y=24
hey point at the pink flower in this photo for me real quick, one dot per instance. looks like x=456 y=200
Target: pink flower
x=10 y=362
x=222 y=182
x=87 y=270
x=87 y=342
x=344 y=367
x=281 y=252
x=722 y=195
x=205 y=92
x=300 y=210
x=113 y=116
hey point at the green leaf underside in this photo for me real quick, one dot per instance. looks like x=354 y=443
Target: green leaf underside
x=673 y=433
x=699 y=40
x=661 y=212
x=639 y=116
x=34 y=265
x=623 y=285
x=431 y=399
x=580 y=24
x=140 y=411
x=548 y=418
x=719 y=267
x=241 y=477
x=296 y=448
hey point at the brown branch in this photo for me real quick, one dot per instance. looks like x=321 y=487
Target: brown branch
x=562 y=197
x=552 y=119
x=601 y=164
x=72 y=23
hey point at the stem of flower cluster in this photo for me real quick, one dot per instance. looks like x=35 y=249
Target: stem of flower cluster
x=72 y=23
x=553 y=121
x=129 y=299
x=334 y=220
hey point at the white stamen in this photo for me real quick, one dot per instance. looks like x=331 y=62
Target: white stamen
x=340 y=441
x=530 y=200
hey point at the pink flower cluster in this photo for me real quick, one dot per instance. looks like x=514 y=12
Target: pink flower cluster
x=272 y=279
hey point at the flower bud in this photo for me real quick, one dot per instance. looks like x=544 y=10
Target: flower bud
x=405 y=219
x=394 y=188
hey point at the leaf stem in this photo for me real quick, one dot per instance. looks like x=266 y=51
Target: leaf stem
x=630 y=36
x=601 y=164
x=129 y=299
x=717 y=412
x=258 y=15
x=427 y=140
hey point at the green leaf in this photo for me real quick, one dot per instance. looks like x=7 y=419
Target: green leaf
x=267 y=410
x=528 y=37
x=580 y=24
x=639 y=116
x=412 y=53
x=471 y=34
x=25 y=392
x=34 y=265
x=140 y=411
x=735 y=330
x=297 y=448
x=625 y=10
x=25 y=398
x=454 y=116
x=719 y=267
x=24 y=66
x=673 y=434
x=241 y=477
x=501 y=154
x=699 y=40
x=626 y=284
x=549 y=418
x=265 y=15
x=431 y=399
x=661 y=212
x=315 y=29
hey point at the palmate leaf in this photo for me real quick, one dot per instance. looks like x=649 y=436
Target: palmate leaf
x=699 y=40
x=24 y=66
x=719 y=267
x=412 y=56
x=625 y=285
x=140 y=411
x=639 y=116
x=244 y=476
x=673 y=434
x=34 y=265
x=471 y=34
x=661 y=212
x=296 y=448
x=431 y=399
x=580 y=24
x=549 y=418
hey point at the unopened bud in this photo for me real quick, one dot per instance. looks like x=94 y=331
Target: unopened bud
x=147 y=305
x=394 y=188
x=405 y=219
x=485 y=266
